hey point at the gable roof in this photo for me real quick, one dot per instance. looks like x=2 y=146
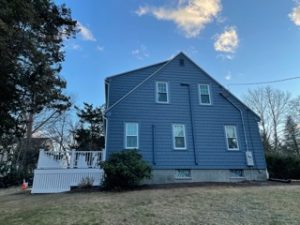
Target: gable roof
x=138 y=69
x=162 y=65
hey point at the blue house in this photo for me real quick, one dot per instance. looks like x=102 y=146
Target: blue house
x=185 y=124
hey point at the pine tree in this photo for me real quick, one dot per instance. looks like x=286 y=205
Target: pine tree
x=32 y=34
x=90 y=135
x=292 y=136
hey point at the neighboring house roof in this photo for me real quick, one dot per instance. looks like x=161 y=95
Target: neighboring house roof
x=162 y=65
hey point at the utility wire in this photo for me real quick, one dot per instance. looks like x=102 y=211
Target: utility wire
x=264 y=82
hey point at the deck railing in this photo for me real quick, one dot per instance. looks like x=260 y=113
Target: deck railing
x=69 y=159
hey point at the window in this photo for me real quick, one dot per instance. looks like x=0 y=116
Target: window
x=204 y=94
x=179 y=141
x=162 y=92
x=237 y=173
x=183 y=174
x=131 y=135
x=231 y=137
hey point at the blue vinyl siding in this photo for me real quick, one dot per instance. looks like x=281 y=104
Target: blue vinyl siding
x=208 y=121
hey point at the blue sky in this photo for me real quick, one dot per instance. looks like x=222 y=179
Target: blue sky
x=234 y=41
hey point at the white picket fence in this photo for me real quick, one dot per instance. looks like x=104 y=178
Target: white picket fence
x=59 y=171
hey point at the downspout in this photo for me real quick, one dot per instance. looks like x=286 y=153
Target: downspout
x=153 y=144
x=191 y=120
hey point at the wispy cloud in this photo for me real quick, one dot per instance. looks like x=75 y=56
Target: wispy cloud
x=228 y=76
x=75 y=46
x=85 y=33
x=295 y=15
x=100 y=48
x=227 y=42
x=141 y=52
x=190 y=16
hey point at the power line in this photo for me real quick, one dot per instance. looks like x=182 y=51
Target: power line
x=264 y=82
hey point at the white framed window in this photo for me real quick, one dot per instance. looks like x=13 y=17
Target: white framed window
x=231 y=137
x=204 y=94
x=179 y=137
x=131 y=135
x=162 y=92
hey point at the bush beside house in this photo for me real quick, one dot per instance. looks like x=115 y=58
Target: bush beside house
x=125 y=170
x=283 y=166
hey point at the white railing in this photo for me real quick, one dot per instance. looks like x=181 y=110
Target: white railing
x=70 y=159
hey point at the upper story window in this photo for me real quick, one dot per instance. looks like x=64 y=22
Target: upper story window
x=162 y=92
x=179 y=138
x=131 y=135
x=231 y=137
x=204 y=94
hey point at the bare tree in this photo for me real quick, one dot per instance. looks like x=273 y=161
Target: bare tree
x=278 y=105
x=294 y=109
x=256 y=100
x=61 y=131
x=272 y=107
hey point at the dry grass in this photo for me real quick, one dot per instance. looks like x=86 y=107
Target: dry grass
x=174 y=206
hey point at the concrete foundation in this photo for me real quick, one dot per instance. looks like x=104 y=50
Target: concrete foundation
x=171 y=176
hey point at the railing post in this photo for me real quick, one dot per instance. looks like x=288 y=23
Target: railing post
x=72 y=161
x=41 y=154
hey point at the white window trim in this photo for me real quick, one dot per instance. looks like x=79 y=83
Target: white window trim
x=209 y=94
x=237 y=138
x=156 y=92
x=184 y=133
x=125 y=135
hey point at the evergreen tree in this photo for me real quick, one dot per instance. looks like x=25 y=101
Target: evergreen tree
x=90 y=135
x=292 y=136
x=32 y=33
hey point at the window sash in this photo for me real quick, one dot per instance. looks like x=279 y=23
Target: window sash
x=131 y=135
x=204 y=94
x=162 y=92
x=231 y=138
x=179 y=137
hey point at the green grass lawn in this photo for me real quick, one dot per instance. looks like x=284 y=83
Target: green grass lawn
x=209 y=204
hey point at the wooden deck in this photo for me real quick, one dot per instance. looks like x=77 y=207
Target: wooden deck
x=58 y=172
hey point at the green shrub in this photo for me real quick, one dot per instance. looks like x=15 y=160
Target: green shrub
x=283 y=166
x=124 y=170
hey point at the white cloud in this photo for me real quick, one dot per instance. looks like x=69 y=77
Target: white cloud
x=228 y=41
x=190 y=16
x=75 y=46
x=228 y=76
x=85 y=33
x=100 y=48
x=141 y=52
x=295 y=15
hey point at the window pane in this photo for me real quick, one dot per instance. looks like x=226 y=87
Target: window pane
x=132 y=141
x=205 y=99
x=183 y=174
x=232 y=143
x=179 y=142
x=162 y=87
x=230 y=132
x=162 y=97
x=131 y=129
x=178 y=131
x=204 y=89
